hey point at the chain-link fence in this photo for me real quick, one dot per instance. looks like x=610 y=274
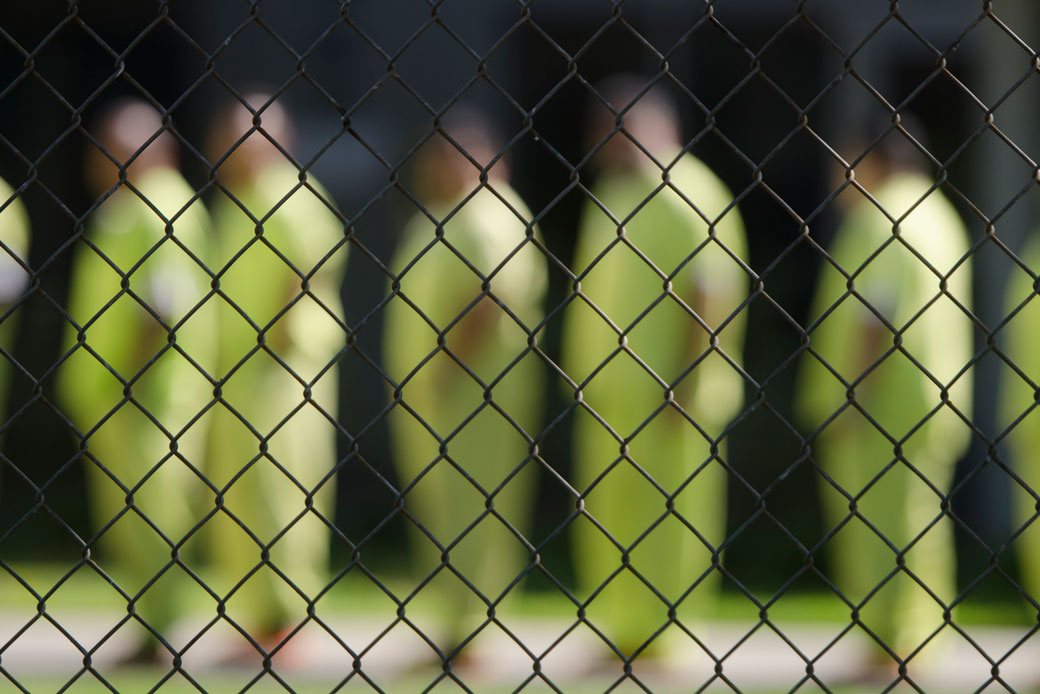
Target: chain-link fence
x=518 y=346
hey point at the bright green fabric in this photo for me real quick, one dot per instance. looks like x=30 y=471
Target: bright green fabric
x=666 y=395
x=14 y=235
x=274 y=445
x=1018 y=399
x=126 y=347
x=895 y=286
x=486 y=340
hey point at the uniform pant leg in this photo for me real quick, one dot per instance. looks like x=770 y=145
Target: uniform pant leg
x=125 y=448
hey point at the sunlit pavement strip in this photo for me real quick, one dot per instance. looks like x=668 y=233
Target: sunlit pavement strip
x=761 y=659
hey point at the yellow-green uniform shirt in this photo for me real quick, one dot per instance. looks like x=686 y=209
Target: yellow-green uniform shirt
x=486 y=345
x=284 y=284
x=911 y=290
x=636 y=343
x=14 y=278
x=1017 y=399
x=898 y=283
x=273 y=436
x=127 y=331
x=136 y=382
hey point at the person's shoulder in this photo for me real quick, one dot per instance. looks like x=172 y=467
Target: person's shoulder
x=917 y=200
x=688 y=165
x=166 y=189
x=690 y=173
x=299 y=191
x=498 y=200
x=163 y=177
x=14 y=221
x=283 y=176
x=907 y=190
x=623 y=189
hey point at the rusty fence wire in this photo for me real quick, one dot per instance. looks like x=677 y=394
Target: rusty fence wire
x=518 y=346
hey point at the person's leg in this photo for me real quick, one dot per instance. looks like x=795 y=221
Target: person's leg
x=867 y=511
x=141 y=520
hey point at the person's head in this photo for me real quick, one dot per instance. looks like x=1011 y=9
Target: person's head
x=443 y=172
x=894 y=153
x=246 y=133
x=129 y=133
x=647 y=115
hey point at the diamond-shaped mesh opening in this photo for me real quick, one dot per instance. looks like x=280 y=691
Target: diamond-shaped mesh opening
x=753 y=35
x=132 y=24
x=840 y=95
x=546 y=58
x=714 y=87
x=381 y=117
x=817 y=62
x=300 y=36
x=1003 y=82
x=31 y=34
x=14 y=62
x=280 y=60
x=901 y=44
x=794 y=532
x=1006 y=156
x=613 y=39
x=324 y=67
x=571 y=37
x=478 y=27
x=162 y=40
x=51 y=118
x=785 y=338
x=453 y=71
x=947 y=139
x=73 y=85
x=846 y=35
x=391 y=29
x=64 y=659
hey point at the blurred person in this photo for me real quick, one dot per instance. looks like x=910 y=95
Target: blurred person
x=14 y=280
x=140 y=344
x=653 y=342
x=1017 y=404
x=887 y=397
x=280 y=256
x=466 y=293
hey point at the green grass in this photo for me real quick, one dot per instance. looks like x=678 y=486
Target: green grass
x=86 y=590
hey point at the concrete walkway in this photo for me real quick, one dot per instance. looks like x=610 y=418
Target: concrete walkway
x=753 y=659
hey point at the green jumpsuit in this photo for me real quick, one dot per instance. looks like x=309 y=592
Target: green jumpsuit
x=890 y=453
x=135 y=379
x=467 y=411
x=1018 y=399
x=655 y=396
x=14 y=235
x=273 y=436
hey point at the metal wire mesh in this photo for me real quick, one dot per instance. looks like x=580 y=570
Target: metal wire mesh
x=368 y=352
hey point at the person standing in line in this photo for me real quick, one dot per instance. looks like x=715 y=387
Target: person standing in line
x=886 y=394
x=14 y=279
x=280 y=254
x=653 y=343
x=469 y=279
x=1017 y=409
x=140 y=346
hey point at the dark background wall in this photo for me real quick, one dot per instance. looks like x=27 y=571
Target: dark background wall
x=761 y=102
